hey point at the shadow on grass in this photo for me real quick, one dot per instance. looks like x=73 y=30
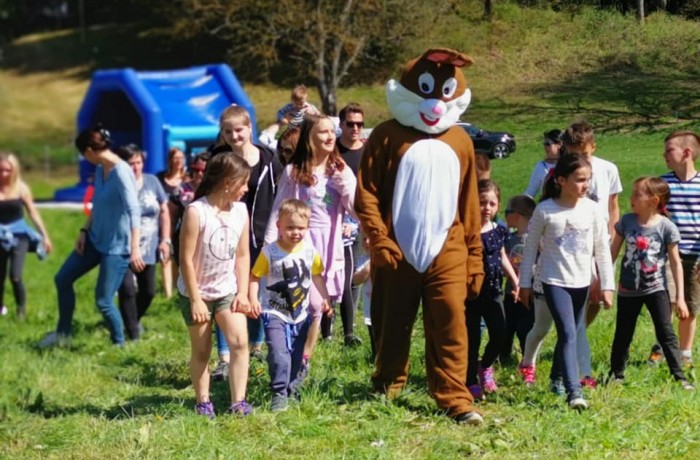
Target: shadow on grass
x=138 y=406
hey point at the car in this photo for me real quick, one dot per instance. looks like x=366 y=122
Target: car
x=495 y=144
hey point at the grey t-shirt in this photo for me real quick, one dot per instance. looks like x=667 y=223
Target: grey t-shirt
x=642 y=271
x=151 y=197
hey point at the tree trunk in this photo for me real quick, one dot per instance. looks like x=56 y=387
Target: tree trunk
x=640 y=11
x=488 y=9
x=329 y=102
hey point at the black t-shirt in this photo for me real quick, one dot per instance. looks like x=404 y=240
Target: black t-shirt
x=252 y=185
x=351 y=157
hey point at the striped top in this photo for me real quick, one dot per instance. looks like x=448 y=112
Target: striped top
x=215 y=253
x=684 y=210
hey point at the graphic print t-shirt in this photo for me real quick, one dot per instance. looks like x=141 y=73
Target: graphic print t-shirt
x=642 y=271
x=286 y=292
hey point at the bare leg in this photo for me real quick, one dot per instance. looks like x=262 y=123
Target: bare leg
x=686 y=332
x=167 y=275
x=235 y=329
x=200 y=340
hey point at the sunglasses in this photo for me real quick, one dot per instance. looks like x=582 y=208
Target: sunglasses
x=355 y=124
x=286 y=151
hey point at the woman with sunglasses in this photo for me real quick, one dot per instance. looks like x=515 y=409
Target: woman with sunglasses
x=552 y=145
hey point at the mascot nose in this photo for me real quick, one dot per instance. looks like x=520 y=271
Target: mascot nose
x=433 y=107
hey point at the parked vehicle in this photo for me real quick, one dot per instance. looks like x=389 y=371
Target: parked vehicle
x=495 y=144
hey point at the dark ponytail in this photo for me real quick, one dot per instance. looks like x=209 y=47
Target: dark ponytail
x=220 y=167
x=96 y=138
x=567 y=164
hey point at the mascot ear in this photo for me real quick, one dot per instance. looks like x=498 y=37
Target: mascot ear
x=447 y=56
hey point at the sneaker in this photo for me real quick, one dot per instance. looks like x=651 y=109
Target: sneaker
x=469 y=418
x=279 y=403
x=476 y=392
x=527 y=373
x=206 y=409
x=488 y=384
x=656 y=356
x=220 y=372
x=577 y=402
x=687 y=386
x=556 y=386
x=686 y=362
x=589 y=382
x=3 y=310
x=240 y=408
x=54 y=339
x=351 y=340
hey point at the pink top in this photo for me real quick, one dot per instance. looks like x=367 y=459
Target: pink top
x=215 y=253
x=328 y=199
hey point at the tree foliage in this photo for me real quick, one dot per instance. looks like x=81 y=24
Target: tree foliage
x=323 y=42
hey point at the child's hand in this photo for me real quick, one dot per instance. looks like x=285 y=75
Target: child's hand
x=241 y=304
x=255 y=309
x=607 y=299
x=327 y=308
x=525 y=295
x=200 y=311
x=516 y=293
x=682 y=309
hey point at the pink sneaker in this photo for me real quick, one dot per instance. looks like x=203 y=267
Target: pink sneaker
x=527 y=373
x=475 y=390
x=488 y=384
x=589 y=382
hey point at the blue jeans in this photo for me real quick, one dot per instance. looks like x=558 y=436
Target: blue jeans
x=567 y=306
x=285 y=350
x=112 y=269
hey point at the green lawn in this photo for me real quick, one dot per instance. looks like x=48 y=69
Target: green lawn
x=93 y=401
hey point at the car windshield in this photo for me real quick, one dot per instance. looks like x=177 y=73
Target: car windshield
x=471 y=129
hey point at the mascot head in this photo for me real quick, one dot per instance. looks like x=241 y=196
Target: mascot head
x=432 y=93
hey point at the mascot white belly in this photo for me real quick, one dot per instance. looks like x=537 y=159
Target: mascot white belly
x=425 y=200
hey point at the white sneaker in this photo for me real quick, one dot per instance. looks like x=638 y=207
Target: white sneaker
x=470 y=418
x=578 y=403
x=54 y=339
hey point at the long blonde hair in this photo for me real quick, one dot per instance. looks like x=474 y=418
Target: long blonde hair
x=15 y=180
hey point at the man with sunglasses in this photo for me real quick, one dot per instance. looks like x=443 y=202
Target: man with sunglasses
x=350 y=145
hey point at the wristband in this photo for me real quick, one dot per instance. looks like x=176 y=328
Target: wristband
x=167 y=241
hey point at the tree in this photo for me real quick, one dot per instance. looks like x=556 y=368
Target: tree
x=321 y=40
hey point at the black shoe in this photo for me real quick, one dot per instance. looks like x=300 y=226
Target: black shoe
x=351 y=340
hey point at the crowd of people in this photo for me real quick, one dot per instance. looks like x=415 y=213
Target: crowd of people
x=265 y=245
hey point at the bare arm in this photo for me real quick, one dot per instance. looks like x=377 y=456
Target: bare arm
x=321 y=286
x=242 y=269
x=676 y=264
x=164 y=226
x=28 y=200
x=616 y=246
x=188 y=243
x=613 y=213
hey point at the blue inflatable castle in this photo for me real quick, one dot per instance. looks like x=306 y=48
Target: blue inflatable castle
x=157 y=110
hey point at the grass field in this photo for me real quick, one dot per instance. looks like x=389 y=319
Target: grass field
x=534 y=70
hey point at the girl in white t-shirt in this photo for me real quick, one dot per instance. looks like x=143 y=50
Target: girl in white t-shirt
x=571 y=229
x=214 y=271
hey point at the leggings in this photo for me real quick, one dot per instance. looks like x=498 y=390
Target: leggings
x=135 y=296
x=567 y=306
x=533 y=342
x=16 y=257
x=490 y=308
x=347 y=301
x=628 y=309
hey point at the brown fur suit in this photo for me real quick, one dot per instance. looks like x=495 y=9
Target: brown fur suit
x=417 y=202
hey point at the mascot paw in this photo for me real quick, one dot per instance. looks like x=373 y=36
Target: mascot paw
x=386 y=253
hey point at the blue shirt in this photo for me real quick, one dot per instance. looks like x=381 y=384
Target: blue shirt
x=115 y=210
x=151 y=197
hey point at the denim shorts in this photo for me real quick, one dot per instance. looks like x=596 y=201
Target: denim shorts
x=214 y=306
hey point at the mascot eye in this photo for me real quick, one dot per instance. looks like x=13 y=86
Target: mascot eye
x=426 y=83
x=449 y=87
